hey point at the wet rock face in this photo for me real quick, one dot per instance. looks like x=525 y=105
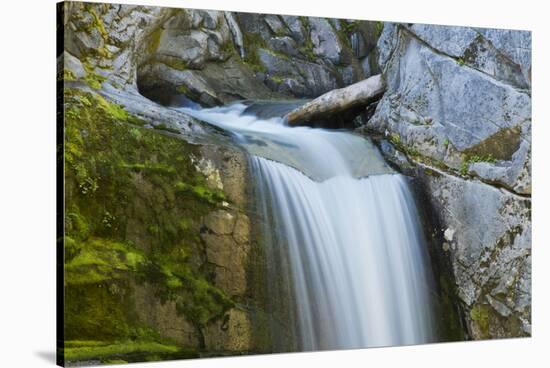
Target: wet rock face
x=458 y=105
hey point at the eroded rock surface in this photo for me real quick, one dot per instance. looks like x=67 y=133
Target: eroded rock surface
x=457 y=112
x=215 y=57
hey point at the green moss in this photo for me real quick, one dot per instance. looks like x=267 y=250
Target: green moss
x=378 y=28
x=307 y=51
x=93 y=79
x=105 y=353
x=349 y=27
x=76 y=225
x=68 y=75
x=129 y=220
x=395 y=139
x=342 y=35
x=195 y=296
x=460 y=61
x=252 y=42
x=480 y=315
x=154 y=40
x=166 y=128
x=470 y=159
x=98 y=260
x=201 y=192
x=307 y=48
x=228 y=48
x=96 y=104
x=183 y=90
x=97 y=23
x=277 y=79
x=151 y=167
x=174 y=63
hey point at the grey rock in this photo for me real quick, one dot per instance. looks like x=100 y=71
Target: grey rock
x=455 y=93
x=513 y=43
x=152 y=112
x=441 y=108
x=348 y=75
x=275 y=64
x=253 y=23
x=366 y=67
x=89 y=42
x=316 y=79
x=275 y=24
x=221 y=222
x=358 y=45
x=325 y=41
x=285 y=45
x=205 y=19
x=236 y=33
x=393 y=155
x=490 y=250
x=476 y=50
x=215 y=42
x=387 y=43
x=73 y=65
x=291 y=86
x=190 y=48
x=451 y=40
x=296 y=28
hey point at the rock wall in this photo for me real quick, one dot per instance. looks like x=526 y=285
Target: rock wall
x=457 y=114
x=160 y=261
x=159 y=258
x=213 y=57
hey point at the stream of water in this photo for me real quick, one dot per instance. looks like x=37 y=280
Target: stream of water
x=343 y=227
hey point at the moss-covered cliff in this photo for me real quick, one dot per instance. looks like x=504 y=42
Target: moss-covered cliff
x=141 y=276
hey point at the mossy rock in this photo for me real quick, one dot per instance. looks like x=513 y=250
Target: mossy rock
x=134 y=204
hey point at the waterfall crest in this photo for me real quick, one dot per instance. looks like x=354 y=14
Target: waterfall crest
x=341 y=229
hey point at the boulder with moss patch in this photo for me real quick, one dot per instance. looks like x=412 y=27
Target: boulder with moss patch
x=458 y=107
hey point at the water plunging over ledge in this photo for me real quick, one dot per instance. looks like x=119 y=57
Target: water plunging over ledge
x=340 y=230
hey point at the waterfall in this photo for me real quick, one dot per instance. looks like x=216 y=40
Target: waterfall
x=341 y=235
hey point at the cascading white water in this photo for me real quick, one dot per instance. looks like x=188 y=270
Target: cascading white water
x=345 y=228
